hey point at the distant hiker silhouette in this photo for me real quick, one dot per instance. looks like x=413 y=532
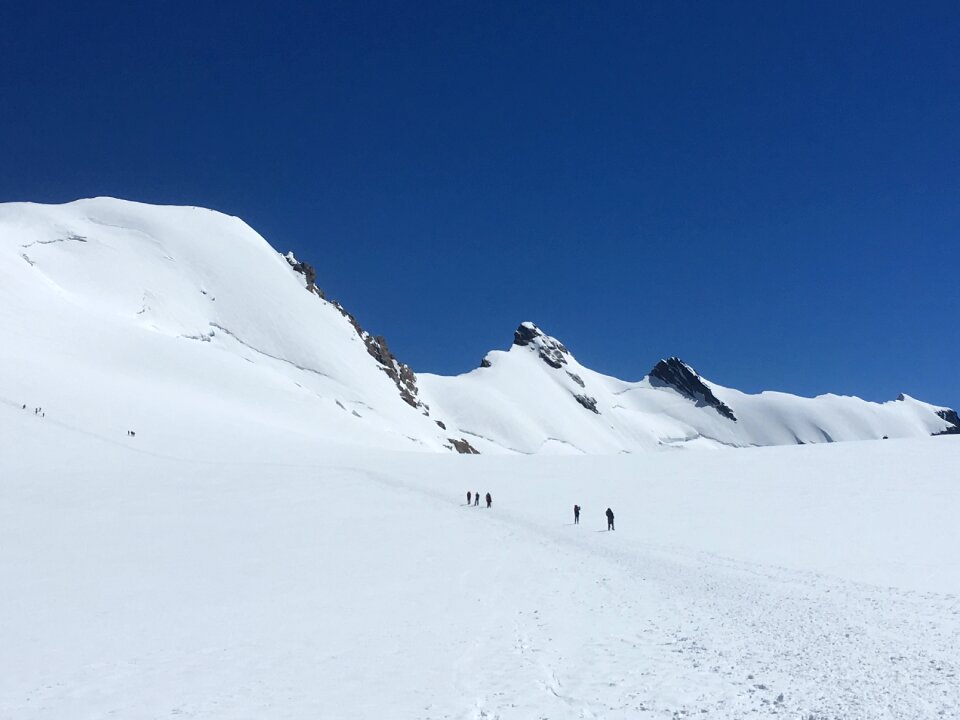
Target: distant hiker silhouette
x=469 y=497
x=476 y=499
x=576 y=514
x=610 y=519
x=489 y=500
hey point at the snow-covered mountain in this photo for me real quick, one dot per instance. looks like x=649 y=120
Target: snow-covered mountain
x=117 y=315
x=536 y=397
x=120 y=315
x=267 y=546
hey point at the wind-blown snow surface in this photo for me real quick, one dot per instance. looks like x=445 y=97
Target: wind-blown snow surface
x=143 y=578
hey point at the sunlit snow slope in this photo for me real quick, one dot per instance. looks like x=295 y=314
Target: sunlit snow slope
x=173 y=320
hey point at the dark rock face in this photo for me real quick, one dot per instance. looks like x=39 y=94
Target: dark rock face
x=550 y=350
x=588 y=402
x=463 y=447
x=951 y=417
x=308 y=272
x=525 y=334
x=401 y=374
x=682 y=378
x=485 y=363
x=576 y=378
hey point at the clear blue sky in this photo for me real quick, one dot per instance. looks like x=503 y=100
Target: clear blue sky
x=769 y=190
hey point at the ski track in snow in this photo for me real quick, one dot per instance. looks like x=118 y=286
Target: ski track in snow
x=750 y=640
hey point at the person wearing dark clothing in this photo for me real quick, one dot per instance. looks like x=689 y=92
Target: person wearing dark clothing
x=576 y=514
x=469 y=498
x=489 y=500
x=610 y=519
x=476 y=499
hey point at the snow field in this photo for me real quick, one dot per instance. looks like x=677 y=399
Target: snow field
x=140 y=584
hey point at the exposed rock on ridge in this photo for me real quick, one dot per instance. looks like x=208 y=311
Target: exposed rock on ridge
x=947 y=414
x=401 y=374
x=308 y=272
x=588 y=402
x=684 y=379
x=550 y=350
x=951 y=417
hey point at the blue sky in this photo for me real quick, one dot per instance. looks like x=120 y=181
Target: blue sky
x=770 y=191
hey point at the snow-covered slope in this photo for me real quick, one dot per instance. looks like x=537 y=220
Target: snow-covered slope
x=171 y=320
x=537 y=398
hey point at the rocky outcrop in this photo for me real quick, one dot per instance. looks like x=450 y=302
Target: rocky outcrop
x=550 y=350
x=951 y=417
x=684 y=379
x=463 y=447
x=308 y=272
x=401 y=374
x=588 y=402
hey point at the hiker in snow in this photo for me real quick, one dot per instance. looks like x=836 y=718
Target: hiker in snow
x=469 y=497
x=489 y=500
x=576 y=514
x=476 y=499
x=610 y=519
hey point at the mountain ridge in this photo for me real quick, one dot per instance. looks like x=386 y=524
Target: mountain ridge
x=119 y=286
